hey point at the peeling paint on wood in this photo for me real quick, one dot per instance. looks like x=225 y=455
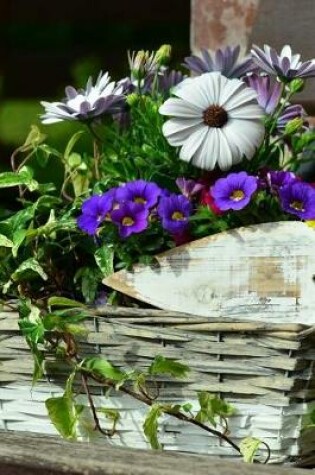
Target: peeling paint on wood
x=216 y=23
x=262 y=273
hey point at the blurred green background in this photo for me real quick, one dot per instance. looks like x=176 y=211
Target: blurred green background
x=45 y=46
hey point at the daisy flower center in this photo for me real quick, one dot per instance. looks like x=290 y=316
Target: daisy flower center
x=139 y=199
x=237 y=195
x=177 y=216
x=215 y=116
x=297 y=205
x=128 y=221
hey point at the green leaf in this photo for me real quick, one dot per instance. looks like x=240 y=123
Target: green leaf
x=104 y=257
x=249 y=448
x=9 y=179
x=5 y=242
x=104 y=369
x=90 y=280
x=27 y=269
x=150 y=426
x=111 y=414
x=211 y=406
x=31 y=325
x=18 y=238
x=63 y=415
x=64 y=302
x=161 y=365
x=38 y=359
x=71 y=144
x=34 y=138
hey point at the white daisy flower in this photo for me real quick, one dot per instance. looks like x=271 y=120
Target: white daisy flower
x=215 y=121
x=104 y=97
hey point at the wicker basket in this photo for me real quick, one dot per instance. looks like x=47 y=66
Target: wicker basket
x=250 y=341
x=265 y=370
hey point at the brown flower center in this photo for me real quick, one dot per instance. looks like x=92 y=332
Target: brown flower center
x=297 y=205
x=215 y=116
x=139 y=199
x=237 y=195
x=127 y=221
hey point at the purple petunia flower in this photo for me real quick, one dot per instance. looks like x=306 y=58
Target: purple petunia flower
x=298 y=198
x=278 y=179
x=268 y=92
x=94 y=211
x=139 y=191
x=131 y=218
x=286 y=65
x=225 y=60
x=174 y=211
x=234 y=191
x=189 y=188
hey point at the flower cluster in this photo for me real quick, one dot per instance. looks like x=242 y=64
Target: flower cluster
x=168 y=156
x=132 y=206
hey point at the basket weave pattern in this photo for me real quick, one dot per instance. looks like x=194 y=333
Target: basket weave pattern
x=265 y=370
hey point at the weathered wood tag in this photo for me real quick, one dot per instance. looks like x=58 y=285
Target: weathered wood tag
x=263 y=272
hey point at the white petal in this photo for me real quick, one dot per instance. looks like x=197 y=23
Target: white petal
x=224 y=153
x=231 y=89
x=51 y=120
x=179 y=108
x=193 y=94
x=192 y=143
x=246 y=135
x=250 y=111
x=242 y=97
x=204 y=157
x=177 y=131
x=211 y=85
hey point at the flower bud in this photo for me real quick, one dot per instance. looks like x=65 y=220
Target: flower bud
x=293 y=126
x=163 y=55
x=296 y=85
x=132 y=99
x=137 y=61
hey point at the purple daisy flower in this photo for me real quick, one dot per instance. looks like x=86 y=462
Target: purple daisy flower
x=139 y=191
x=286 y=65
x=189 y=188
x=234 y=191
x=298 y=198
x=94 y=211
x=104 y=97
x=174 y=211
x=166 y=80
x=225 y=60
x=131 y=218
x=268 y=92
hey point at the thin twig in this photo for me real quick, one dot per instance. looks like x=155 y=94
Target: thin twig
x=98 y=427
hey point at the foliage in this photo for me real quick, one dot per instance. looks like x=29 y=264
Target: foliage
x=123 y=195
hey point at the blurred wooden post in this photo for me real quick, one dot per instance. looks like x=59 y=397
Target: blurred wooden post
x=215 y=23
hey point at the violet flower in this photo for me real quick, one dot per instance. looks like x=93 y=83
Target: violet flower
x=225 y=60
x=139 y=191
x=94 y=211
x=298 y=198
x=189 y=188
x=174 y=212
x=277 y=179
x=286 y=65
x=86 y=104
x=234 y=191
x=268 y=92
x=131 y=218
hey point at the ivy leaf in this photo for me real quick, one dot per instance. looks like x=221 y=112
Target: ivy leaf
x=103 y=368
x=5 y=242
x=111 y=414
x=23 y=177
x=90 y=280
x=27 y=269
x=150 y=426
x=62 y=414
x=212 y=406
x=70 y=145
x=161 y=365
x=31 y=325
x=64 y=302
x=104 y=257
x=249 y=448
